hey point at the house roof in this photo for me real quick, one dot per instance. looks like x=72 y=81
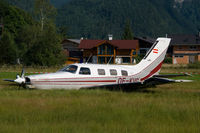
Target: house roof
x=146 y=39
x=185 y=39
x=120 y=44
x=72 y=40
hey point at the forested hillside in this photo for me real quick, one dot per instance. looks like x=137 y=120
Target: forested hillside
x=28 y=4
x=27 y=40
x=97 y=18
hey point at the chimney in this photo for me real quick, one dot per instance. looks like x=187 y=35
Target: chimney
x=110 y=37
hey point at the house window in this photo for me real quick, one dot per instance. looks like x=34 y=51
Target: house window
x=142 y=51
x=105 y=49
x=101 y=72
x=110 y=60
x=102 y=60
x=134 y=52
x=124 y=73
x=113 y=72
x=179 y=56
x=84 y=71
x=102 y=50
x=126 y=59
x=110 y=50
x=193 y=47
x=105 y=54
x=180 y=47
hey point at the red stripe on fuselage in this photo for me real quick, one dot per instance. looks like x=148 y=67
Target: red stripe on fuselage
x=156 y=69
x=81 y=81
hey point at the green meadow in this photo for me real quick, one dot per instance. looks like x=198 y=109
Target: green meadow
x=168 y=108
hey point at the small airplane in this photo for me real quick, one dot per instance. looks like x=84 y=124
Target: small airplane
x=76 y=76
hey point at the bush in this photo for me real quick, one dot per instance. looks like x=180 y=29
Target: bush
x=195 y=65
x=168 y=60
x=138 y=58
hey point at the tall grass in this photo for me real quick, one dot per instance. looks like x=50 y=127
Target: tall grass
x=195 y=65
x=98 y=111
x=166 y=108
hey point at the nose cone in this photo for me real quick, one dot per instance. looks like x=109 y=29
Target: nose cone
x=19 y=80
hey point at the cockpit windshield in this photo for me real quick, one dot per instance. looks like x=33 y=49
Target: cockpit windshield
x=70 y=68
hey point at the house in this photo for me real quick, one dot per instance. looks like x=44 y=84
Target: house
x=109 y=51
x=185 y=48
x=73 y=53
x=70 y=47
x=106 y=51
x=145 y=44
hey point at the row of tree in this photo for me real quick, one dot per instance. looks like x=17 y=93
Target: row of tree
x=30 y=40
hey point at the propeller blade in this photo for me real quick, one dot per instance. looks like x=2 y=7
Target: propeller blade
x=23 y=73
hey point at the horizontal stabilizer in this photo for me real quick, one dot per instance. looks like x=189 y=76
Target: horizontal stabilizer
x=171 y=75
x=182 y=80
x=159 y=80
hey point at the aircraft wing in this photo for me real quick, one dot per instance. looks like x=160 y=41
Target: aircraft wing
x=9 y=80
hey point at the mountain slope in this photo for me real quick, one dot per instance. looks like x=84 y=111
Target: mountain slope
x=97 y=18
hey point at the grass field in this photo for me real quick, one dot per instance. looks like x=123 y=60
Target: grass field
x=161 y=109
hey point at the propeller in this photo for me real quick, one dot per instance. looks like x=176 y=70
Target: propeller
x=20 y=79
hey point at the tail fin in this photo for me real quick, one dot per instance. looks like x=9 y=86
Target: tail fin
x=152 y=62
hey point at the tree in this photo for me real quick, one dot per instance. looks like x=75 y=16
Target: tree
x=44 y=11
x=127 y=35
x=40 y=42
x=8 y=50
x=45 y=48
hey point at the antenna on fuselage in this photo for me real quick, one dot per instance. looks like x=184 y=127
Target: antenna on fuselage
x=89 y=58
x=110 y=60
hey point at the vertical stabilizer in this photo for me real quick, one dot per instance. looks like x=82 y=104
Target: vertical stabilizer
x=152 y=62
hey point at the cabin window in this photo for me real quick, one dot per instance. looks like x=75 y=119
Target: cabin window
x=101 y=72
x=70 y=68
x=124 y=73
x=84 y=71
x=113 y=72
